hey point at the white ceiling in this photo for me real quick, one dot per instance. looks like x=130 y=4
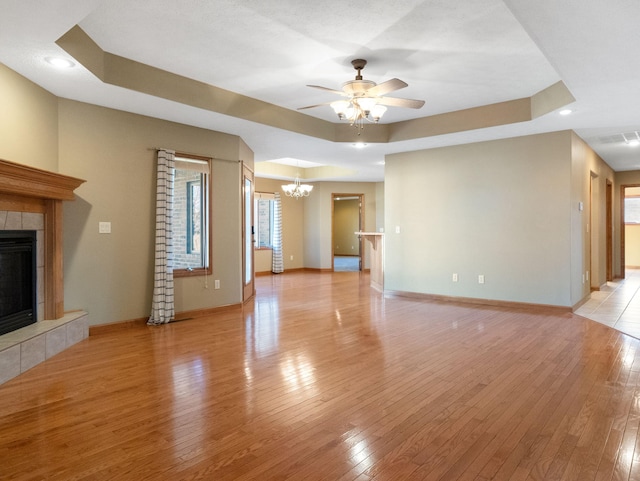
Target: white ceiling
x=453 y=54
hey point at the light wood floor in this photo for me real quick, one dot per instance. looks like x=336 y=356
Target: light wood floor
x=324 y=379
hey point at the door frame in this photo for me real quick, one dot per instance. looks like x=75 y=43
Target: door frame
x=592 y=236
x=609 y=227
x=623 y=233
x=248 y=281
x=334 y=196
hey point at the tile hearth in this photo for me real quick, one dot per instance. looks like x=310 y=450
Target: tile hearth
x=27 y=347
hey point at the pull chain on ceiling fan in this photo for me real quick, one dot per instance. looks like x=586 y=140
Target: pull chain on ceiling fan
x=365 y=99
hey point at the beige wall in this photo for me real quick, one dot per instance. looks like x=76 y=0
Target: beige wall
x=506 y=209
x=498 y=209
x=346 y=220
x=110 y=275
x=632 y=246
x=28 y=122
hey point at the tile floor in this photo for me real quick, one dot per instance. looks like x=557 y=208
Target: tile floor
x=616 y=305
x=346 y=263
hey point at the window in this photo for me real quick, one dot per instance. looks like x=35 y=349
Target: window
x=195 y=221
x=191 y=226
x=263 y=215
x=632 y=210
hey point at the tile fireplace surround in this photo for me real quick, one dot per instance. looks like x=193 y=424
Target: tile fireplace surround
x=31 y=199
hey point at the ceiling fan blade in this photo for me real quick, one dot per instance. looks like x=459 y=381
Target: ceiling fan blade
x=386 y=87
x=314 y=106
x=339 y=92
x=406 y=103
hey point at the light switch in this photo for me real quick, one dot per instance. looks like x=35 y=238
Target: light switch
x=104 y=227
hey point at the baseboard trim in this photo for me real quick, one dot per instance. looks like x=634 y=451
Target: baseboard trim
x=302 y=269
x=142 y=321
x=116 y=326
x=287 y=271
x=181 y=316
x=580 y=303
x=477 y=301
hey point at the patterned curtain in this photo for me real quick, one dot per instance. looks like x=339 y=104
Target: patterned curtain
x=277 y=264
x=162 y=307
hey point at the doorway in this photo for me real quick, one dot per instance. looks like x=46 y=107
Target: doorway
x=630 y=228
x=347 y=253
x=248 y=287
x=609 y=233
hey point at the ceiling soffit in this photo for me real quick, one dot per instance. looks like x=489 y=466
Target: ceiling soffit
x=122 y=72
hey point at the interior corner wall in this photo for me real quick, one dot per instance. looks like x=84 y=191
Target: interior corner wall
x=111 y=275
x=498 y=209
x=245 y=154
x=28 y=123
x=379 y=207
x=317 y=220
x=292 y=229
x=589 y=177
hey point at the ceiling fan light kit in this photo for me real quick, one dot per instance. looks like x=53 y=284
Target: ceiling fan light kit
x=365 y=99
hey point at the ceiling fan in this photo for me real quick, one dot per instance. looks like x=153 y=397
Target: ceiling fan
x=364 y=98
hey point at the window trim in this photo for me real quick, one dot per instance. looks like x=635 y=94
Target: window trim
x=208 y=270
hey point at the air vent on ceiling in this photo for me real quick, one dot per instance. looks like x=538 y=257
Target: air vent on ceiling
x=620 y=138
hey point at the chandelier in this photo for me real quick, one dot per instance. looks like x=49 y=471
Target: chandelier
x=357 y=110
x=296 y=189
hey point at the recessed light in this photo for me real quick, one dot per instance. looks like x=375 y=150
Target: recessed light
x=359 y=145
x=565 y=112
x=60 y=62
x=633 y=143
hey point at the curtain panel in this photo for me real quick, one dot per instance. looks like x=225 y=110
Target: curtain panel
x=162 y=306
x=277 y=262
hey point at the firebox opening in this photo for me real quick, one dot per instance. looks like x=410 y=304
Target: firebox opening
x=18 y=272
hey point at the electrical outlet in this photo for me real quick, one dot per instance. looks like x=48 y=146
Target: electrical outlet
x=291 y=258
x=104 y=227
x=455 y=277
x=216 y=284
x=481 y=279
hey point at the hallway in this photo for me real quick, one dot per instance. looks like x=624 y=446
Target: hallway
x=617 y=305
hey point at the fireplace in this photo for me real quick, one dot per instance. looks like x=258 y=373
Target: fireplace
x=31 y=202
x=18 y=273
